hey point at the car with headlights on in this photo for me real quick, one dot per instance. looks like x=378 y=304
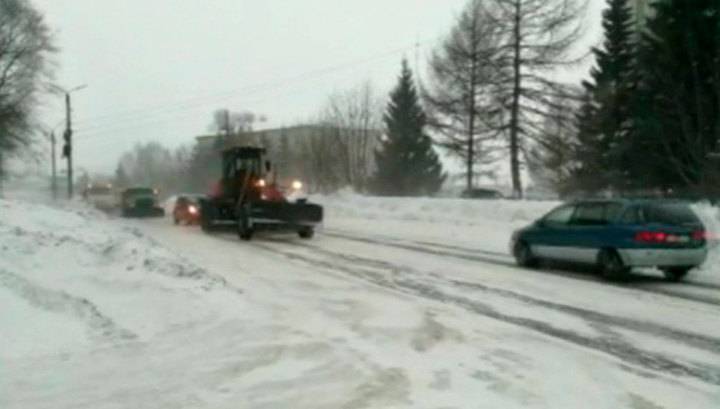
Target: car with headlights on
x=616 y=236
x=186 y=209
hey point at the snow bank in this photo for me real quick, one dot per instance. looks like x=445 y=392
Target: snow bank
x=434 y=210
x=74 y=269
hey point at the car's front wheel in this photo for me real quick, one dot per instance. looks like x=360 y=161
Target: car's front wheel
x=524 y=256
x=611 y=265
x=676 y=274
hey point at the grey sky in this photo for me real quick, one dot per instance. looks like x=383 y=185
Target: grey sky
x=156 y=69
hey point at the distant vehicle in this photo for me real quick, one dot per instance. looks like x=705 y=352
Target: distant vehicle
x=101 y=196
x=187 y=209
x=479 y=193
x=140 y=202
x=616 y=236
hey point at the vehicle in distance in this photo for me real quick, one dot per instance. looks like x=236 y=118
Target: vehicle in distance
x=616 y=236
x=140 y=202
x=187 y=209
x=480 y=193
x=100 y=196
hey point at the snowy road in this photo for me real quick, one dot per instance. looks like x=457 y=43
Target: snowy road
x=550 y=330
x=112 y=313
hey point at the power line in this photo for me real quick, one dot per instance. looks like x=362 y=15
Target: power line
x=160 y=118
x=202 y=100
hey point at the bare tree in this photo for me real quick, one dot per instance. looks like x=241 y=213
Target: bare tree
x=550 y=159
x=319 y=162
x=25 y=50
x=538 y=37
x=353 y=120
x=460 y=99
x=230 y=125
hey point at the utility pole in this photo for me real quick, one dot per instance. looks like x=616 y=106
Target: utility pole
x=67 y=149
x=2 y=173
x=54 y=166
x=67 y=135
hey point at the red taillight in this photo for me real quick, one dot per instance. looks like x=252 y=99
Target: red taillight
x=700 y=235
x=651 y=237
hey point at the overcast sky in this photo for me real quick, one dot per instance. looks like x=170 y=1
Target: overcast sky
x=157 y=69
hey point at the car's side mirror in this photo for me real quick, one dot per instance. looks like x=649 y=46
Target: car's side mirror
x=268 y=166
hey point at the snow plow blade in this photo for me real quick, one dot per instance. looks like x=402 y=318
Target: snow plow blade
x=283 y=214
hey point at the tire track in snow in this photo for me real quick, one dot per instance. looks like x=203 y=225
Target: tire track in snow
x=696 y=340
x=64 y=303
x=507 y=261
x=622 y=350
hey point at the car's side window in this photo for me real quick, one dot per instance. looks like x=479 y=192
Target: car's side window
x=612 y=212
x=590 y=214
x=560 y=216
x=633 y=215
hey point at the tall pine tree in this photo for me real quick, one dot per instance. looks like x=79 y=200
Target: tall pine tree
x=407 y=164
x=605 y=119
x=680 y=89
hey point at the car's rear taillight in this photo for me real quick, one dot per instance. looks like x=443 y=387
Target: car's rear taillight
x=700 y=235
x=651 y=237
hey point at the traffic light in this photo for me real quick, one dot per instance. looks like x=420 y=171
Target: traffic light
x=67 y=148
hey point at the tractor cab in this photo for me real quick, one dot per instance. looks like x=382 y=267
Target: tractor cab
x=243 y=173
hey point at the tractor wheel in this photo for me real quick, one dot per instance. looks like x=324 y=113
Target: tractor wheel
x=306 y=233
x=206 y=222
x=245 y=232
x=208 y=214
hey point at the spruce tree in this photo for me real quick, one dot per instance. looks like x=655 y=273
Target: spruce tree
x=679 y=118
x=604 y=122
x=407 y=164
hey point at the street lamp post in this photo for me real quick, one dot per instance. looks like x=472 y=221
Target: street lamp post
x=67 y=135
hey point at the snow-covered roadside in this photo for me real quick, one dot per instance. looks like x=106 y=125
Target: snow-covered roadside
x=73 y=284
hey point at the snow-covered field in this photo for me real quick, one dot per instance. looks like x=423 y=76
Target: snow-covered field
x=397 y=303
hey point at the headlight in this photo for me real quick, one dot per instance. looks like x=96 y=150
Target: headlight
x=297 y=185
x=192 y=210
x=260 y=183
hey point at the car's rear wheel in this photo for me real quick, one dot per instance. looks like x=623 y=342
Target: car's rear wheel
x=524 y=256
x=611 y=265
x=676 y=274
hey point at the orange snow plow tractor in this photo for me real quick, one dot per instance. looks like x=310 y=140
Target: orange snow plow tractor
x=246 y=199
